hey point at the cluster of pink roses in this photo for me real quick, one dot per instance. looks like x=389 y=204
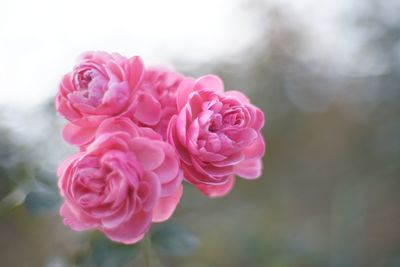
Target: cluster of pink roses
x=140 y=133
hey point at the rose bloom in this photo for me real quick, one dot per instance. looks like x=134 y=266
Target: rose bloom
x=100 y=86
x=125 y=180
x=216 y=134
x=162 y=83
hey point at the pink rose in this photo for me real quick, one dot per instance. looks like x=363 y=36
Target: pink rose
x=127 y=178
x=217 y=135
x=162 y=84
x=100 y=86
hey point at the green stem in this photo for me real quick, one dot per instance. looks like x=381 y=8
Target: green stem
x=147 y=250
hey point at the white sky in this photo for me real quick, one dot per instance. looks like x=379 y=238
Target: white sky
x=40 y=39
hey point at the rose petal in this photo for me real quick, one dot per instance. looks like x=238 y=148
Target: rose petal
x=168 y=170
x=149 y=191
x=166 y=206
x=117 y=124
x=77 y=135
x=148 y=109
x=255 y=150
x=215 y=191
x=67 y=163
x=210 y=83
x=136 y=71
x=183 y=91
x=249 y=169
x=72 y=220
x=149 y=154
x=132 y=230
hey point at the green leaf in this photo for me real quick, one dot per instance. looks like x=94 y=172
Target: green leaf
x=41 y=201
x=174 y=239
x=108 y=254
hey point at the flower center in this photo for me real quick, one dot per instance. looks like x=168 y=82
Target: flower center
x=215 y=123
x=84 y=78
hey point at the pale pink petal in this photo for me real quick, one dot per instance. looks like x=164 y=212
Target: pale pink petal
x=170 y=166
x=255 y=150
x=136 y=71
x=149 y=154
x=115 y=98
x=183 y=91
x=230 y=161
x=249 y=169
x=181 y=126
x=65 y=108
x=67 y=163
x=238 y=95
x=148 y=109
x=210 y=83
x=259 y=123
x=132 y=230
x=166 y=206
x=149 y=190
x=115 y=217
x=72 y=220
x=150 y=133
x=77 y=135
x=169 y=188
x=174 y=140
x=218 y=171
x=117 y=124
x=218 y=190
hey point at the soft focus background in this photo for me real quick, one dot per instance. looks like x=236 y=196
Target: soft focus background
x=326 y=74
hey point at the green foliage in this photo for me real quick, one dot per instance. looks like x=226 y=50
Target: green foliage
x=174 y=239
x=42 y=201
x=105 y=253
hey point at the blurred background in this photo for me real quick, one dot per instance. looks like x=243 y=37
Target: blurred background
x=327 y=76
